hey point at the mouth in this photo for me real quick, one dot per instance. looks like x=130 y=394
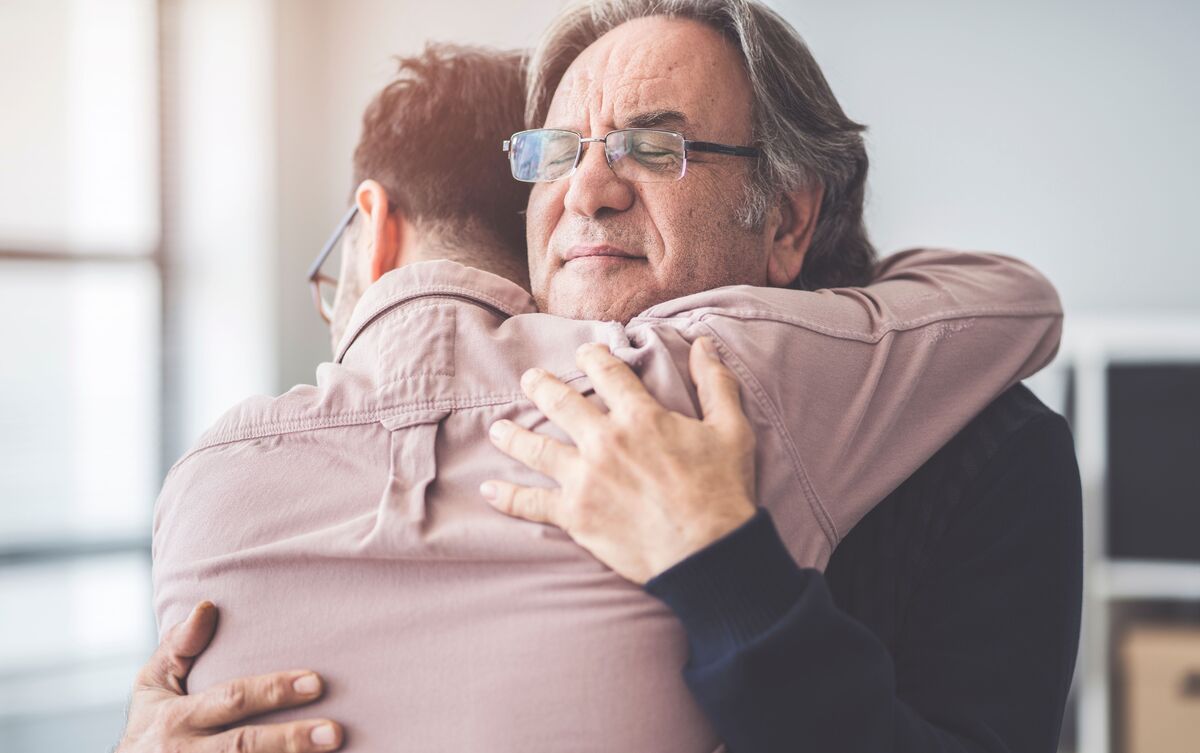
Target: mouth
x=607 y=253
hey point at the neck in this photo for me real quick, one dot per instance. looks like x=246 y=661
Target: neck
x=487 y=256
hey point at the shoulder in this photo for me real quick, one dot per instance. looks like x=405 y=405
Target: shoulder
x=1008 y=481
x=1003 y=495
x=270 y=468
x=341 y=397
x=1014 y=430
x=996 y=472
x=1018 y=429
x=1015 y=436
x=1027 y=479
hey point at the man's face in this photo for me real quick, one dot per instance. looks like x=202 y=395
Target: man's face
x=683 y=236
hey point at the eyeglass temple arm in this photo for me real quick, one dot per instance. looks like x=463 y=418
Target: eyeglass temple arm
x=315 y=267
x=736 y=151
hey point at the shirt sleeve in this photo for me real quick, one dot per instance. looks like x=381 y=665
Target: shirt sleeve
x=983 y=663
x=875 y=379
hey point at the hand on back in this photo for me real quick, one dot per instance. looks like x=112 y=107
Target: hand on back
x=163 y=717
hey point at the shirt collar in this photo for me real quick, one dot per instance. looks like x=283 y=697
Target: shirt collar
x=440 y=277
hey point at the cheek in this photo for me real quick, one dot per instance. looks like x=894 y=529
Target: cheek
x=704 y=241
x=684 y=219
x=543 y=212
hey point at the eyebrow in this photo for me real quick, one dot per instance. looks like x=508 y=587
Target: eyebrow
x=657 y=119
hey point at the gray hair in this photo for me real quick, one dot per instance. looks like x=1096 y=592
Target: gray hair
x=807 y=139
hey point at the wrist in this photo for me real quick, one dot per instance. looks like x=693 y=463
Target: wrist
x=733 y=590
x=703 y=533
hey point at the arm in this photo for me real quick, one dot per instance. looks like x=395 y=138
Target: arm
x=984 y=661
x=846 y=392
x=871 y=379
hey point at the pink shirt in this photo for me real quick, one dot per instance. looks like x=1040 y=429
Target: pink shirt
x=339 y=526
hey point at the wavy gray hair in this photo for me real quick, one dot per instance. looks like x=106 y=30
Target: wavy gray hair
x=806 y=137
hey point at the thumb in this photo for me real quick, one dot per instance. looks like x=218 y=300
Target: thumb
x=716 y=386
x=168 y=667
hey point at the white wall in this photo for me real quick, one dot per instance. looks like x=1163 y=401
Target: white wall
x=1059 y=132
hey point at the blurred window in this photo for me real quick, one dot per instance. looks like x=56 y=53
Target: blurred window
x=80 y=378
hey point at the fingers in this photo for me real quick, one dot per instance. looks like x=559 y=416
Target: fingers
x=170 y=663
x=561 y=404
x=538 y=451
x=716 y=386
x=239 y=699
x=614 y=381
x=293 y=737
x=196 y=631
x=526 y=502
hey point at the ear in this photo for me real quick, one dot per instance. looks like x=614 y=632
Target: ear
x=797 y=216
x=381 y=227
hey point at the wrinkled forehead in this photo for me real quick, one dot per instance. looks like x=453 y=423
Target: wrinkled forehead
x=656 y=65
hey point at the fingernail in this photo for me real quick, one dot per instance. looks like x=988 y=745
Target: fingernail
x=530 y=375
x=488 y=490
x=196 y=610
x=323 y=735
x=306 y=684
x=709 y=349
x=497 y=430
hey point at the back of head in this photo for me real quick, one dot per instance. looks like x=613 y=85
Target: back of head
x=432 y=138
x=806 y=137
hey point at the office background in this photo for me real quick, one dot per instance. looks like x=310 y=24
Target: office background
x=169 y=168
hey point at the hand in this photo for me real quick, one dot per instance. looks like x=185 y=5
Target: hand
x=643 y=487
x=163 y=717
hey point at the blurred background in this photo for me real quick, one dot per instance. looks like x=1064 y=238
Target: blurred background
x=168 y=169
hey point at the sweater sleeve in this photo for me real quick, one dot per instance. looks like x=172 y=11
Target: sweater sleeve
x=874 y=378
x=984 y=660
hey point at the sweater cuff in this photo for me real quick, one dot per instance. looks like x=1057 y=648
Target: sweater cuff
x=732 y=591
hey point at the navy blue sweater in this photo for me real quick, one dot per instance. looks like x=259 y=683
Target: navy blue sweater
x=947 y=620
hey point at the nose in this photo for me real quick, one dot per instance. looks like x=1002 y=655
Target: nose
x=594 y=188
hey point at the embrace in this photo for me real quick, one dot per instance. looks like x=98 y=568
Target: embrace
x=629 y=441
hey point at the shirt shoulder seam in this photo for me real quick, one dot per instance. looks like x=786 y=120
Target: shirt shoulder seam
x=878 y=333
x=249 y=431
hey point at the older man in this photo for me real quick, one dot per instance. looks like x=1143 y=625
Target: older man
x=954 y=614
x=609 y=243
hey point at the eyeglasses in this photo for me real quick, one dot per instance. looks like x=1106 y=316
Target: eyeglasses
x=643 y=155
x=324 y=287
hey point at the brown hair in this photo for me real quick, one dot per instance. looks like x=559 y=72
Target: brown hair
x=806 y=137
x=432 y=138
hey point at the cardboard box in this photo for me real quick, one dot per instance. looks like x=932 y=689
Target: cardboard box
x=1162 y=689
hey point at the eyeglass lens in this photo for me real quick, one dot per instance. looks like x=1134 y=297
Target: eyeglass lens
x=325 y=284
x=326 y=292
x=638 y=154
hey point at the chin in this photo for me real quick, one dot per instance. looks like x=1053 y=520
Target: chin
x=593 y=311
x=598 y=302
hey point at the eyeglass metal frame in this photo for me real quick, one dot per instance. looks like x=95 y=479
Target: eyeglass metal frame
x=316 y=277
x=688 y=145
